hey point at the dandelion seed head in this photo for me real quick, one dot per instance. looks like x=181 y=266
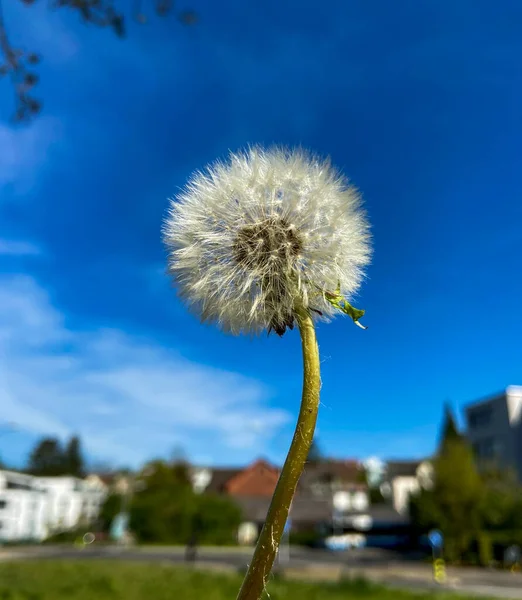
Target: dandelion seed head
x=251 y=237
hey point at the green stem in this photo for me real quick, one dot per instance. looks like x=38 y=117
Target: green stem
x=270 y=537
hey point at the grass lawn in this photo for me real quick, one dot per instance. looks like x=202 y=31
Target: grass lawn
x=98 y=580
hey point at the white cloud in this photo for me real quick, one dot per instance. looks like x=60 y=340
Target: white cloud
x=18 y=248
x=129 y=398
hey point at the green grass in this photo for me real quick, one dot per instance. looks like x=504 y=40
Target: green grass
x=112 y=580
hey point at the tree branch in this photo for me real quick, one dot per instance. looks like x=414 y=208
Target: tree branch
x=18 y=63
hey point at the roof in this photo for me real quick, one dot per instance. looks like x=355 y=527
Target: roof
x=107 y=478
x=402 y=468
x=491 y=398
x=342 y=471
x=304 y=510
x=220 y=477
x=258 y=479
x=313 y=510
x=15 y=480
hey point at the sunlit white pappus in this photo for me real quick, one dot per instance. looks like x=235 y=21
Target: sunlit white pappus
x=252 y=237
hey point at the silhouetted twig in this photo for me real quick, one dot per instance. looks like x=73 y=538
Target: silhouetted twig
x=18 y=63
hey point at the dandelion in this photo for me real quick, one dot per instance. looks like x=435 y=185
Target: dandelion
x=268 y=240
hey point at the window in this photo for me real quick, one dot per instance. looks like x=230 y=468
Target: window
x=360 y=501
x=480 y=417
x=487 y=448
x=13 y=485
x=3 y=504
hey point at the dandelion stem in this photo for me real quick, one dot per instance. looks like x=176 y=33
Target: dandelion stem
x=270 y=537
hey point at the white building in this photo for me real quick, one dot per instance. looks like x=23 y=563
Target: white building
x=23 y=508
x=402 y=479
x=32 y=508
x=494 y=428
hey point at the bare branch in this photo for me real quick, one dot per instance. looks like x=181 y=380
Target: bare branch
x=17 y=62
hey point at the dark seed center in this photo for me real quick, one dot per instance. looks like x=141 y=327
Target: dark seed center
x=270 y=241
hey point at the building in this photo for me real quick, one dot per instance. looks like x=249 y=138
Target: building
x=23 y=508
x=494 y=428
x=113 y=483
x=33 y=508
x=403 y=478
x=331 y=498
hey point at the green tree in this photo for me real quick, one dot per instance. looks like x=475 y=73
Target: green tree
x=459 y=491
x=47 y=458
x=455 y=502
x=73 y=459
x=502 y=500
x=165 y=508
x=470 y=507
x=215 y=519
x=161 y=508
x=449 y=431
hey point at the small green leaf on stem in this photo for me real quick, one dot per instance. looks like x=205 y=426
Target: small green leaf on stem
x=339 y=302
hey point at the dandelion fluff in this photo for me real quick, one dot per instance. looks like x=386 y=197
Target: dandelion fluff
x=251 y=238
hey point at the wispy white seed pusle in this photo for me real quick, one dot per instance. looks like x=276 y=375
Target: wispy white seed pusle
x=249 y=237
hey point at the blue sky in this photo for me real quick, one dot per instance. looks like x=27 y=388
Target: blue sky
x=419 y=103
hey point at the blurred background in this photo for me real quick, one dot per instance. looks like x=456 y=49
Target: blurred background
x=121 y=415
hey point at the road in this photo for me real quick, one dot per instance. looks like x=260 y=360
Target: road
x=377 y=565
